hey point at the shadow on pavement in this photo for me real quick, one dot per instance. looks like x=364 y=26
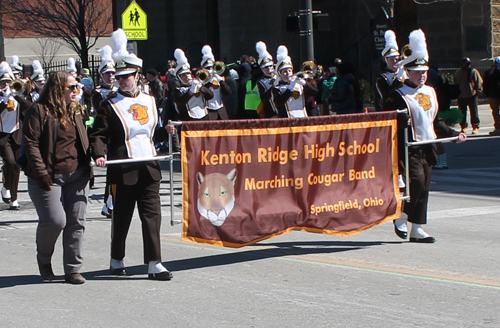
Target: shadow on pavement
x=282 y=250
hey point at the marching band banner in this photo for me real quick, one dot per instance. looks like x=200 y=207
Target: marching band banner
x=248 y=180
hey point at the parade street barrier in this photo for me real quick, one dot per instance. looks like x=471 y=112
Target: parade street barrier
x=248 y=180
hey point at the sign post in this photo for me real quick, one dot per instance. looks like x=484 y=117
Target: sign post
x=135 y=22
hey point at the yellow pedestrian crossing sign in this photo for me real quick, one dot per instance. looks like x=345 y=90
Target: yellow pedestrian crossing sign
x=135 y=22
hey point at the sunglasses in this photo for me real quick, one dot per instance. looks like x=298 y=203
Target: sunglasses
x=73 y=87
x=124 y=76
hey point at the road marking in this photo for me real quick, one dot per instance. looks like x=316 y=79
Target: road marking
x=377 y=267
x=461 y=212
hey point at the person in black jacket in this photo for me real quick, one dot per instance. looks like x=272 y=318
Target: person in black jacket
x=491 y=89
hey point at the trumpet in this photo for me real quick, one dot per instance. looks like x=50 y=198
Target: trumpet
x=406 y=51
x=203 y=76
x=18 y=86
x=302 y=75
x=219 y=67
x=310 y=67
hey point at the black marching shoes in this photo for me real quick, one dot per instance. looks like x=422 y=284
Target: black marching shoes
x=165 y=276
x=401 y=234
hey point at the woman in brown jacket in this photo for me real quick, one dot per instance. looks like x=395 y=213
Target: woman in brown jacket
x=58 y=169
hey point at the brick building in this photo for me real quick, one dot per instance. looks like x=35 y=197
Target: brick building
x=454 y=29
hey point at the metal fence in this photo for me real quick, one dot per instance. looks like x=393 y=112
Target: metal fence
x=94 y=62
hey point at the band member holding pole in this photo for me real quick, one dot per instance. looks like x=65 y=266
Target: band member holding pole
x=126 y=125
x=423 y=126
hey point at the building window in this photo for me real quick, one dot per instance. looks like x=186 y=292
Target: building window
x=476 y=38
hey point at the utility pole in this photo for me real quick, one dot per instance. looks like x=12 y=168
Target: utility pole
x=306 y=30
x=2 y=49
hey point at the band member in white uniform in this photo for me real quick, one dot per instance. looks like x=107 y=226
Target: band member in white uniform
x=217 y=84
x=265 y=83
x=10 y=137
x=291 y=90
x=99 y=94
x=38 y=80
x=126 y=127
x=393 y=74
x=190 y=95
x=424 y=125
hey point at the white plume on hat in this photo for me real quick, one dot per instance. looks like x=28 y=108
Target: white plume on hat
x=14 y=60
x=5 y=71
x=71 y=65
x=125 y=62
x=282 y=53
x=206 y=51
x=14 y=63
x=182 y=61
x=264 y=55
x=180 y=57
x=119 y=44
x=284 y=61
x=390 y=44
x=106 y=59
x=37 y=71
x=418 y=46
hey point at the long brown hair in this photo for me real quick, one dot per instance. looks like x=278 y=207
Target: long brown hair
x=53 y=99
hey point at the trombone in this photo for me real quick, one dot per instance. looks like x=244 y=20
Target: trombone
x=219 y=67
x=203 y=76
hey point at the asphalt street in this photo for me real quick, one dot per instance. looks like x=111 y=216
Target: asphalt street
x=372 y=279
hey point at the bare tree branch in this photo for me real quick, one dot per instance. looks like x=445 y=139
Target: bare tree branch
x=79 y=23
x=48 y=48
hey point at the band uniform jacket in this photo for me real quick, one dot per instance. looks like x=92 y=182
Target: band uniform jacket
x=216 y=106
x=182 y=100
x=385 y=84
x=280 y=98
x=108 y=136
x=395 y=100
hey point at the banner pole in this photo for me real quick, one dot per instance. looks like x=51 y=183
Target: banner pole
x=171 y=175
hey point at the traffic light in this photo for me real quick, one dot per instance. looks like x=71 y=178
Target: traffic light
x=321 y=22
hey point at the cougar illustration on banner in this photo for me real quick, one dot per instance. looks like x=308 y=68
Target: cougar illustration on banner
x=216 y=196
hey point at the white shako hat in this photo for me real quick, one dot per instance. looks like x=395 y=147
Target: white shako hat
x=182 y=62
x=107 y=62
x=284 y=61
x=418 y=60
x=71 y=68
x=391 y=45
x=125 y=62
x=14 y=65
x=265 y=58
x=208 y=58
x=6 y=72
x=38 y=74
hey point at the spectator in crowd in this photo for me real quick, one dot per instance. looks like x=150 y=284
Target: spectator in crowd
x=470 y=82
x=491 y=89
x=342 y=95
